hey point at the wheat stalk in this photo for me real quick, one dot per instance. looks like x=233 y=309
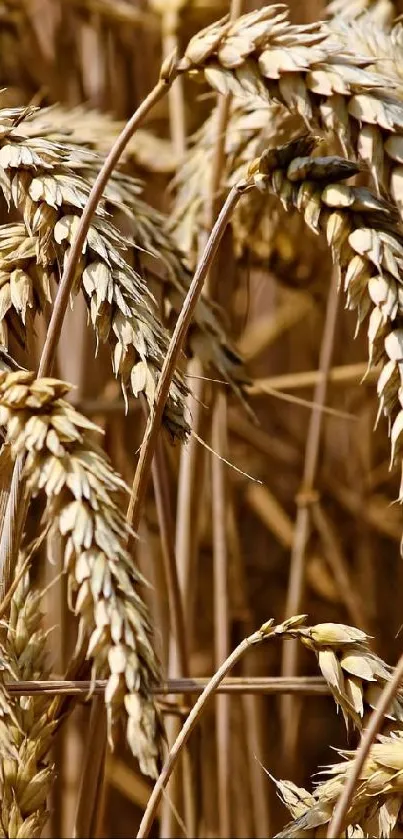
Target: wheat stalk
x=82 y=494
x=47 y=182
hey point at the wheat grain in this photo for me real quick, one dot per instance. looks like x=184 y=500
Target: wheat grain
x=82 y=494
x=47 y=182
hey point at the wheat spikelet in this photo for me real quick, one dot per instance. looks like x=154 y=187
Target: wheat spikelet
x=382 y=45
x=82 y=494
x=356 y=676
x=26 y=776
x=367 y=243
x=376 y=803
x=47 y=182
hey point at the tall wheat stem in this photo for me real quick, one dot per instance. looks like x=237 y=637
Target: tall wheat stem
x=290 y=709
x=221 y=607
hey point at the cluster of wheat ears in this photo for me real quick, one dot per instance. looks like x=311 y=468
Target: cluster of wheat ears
x=308 y=118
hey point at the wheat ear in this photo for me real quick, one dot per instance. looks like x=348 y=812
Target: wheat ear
x=38 y=176
x=376 y=803
x=83 y=493
x=311 y=72
x=26 y=775
x=356 y=676
x=252 y=126
x=381 y=12
x=366 y=242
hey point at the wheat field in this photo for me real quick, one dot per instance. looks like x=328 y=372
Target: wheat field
x=201 y=418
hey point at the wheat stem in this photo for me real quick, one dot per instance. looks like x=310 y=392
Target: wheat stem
x=189 y=725
x=296 y=578
x=175 y=348
x=92 y=777
x=388 y=694
x=177 y=119
x=221 y=606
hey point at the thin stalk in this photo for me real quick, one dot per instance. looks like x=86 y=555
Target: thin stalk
x=290 y=714
x=375 y=724
x=265 y=685
x=89 y=797
x=221 y=608
x=192 y=455
x=218 y=161
x=172 y=357
x=252 y=706
x=165 y=523
x=191 y=722
x=339 y=566
x=162 y=499
x=176 y=97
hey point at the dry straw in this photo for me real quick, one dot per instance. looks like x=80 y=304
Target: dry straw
x=83 y=494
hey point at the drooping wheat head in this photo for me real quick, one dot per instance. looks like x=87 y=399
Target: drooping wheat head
x=366 y=240
x=311 y=72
